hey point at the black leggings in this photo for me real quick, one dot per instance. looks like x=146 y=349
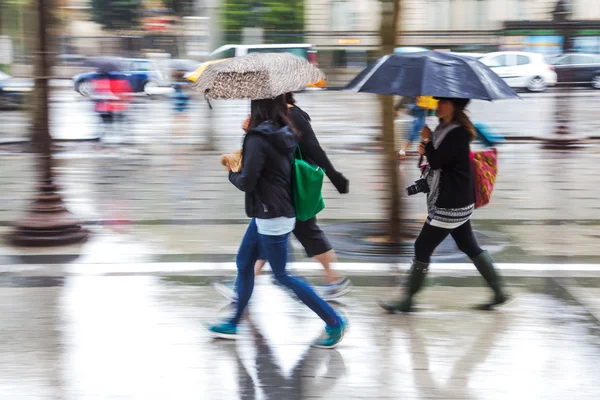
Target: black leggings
x=431 y=237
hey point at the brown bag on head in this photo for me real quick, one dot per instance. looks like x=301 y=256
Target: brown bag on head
x=232 y=161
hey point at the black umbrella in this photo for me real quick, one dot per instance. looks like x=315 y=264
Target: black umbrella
x=105 y=64
x=432 y=73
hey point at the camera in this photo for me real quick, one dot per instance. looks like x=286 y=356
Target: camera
x=420 y=186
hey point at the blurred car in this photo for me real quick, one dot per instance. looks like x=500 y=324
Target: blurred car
x=522 y=70
x=142 y=74
x=408 y=49
x=578 y=69
x=303 y=50
x=13 y=91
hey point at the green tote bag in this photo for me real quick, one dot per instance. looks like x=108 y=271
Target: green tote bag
x=307 y=183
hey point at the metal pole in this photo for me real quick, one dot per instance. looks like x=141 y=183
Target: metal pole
x=563 y=136
x=47 y=221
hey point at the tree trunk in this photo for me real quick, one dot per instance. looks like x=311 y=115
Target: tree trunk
x=390 y=14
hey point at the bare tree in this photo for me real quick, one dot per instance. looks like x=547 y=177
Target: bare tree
x=390 y=15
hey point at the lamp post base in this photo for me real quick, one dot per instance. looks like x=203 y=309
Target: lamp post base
x=48 y=222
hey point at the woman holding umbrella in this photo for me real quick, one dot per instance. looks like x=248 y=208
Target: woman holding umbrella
x=266 y=177
x=450 y=202
x=266 y=174
x=453 y=80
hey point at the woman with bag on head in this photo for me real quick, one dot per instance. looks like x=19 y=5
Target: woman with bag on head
x=266 y=179
x=450 y=202
x=308 y=233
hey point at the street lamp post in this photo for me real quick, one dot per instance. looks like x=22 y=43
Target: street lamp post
x=47 y=221
x=563 y=136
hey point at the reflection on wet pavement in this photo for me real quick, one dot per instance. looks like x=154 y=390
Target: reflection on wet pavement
x=142 y=337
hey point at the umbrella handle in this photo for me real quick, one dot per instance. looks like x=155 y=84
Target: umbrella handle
x=208 y=101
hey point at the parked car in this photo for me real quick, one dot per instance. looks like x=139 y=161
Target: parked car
x=13 y=91
x=522 y=70
x=578 y=69
x=142 y=74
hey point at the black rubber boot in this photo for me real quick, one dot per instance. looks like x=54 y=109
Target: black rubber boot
x=485 y=265
x=414 y=282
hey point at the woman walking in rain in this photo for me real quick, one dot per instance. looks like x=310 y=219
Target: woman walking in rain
x=450 y=202
x=308 y=233
x=266 y=178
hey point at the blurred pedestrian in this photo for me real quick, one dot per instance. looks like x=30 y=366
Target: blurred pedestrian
x=266 y=178
x=309 y=234
x=181 y=100
x=418 y=107
x=111 y=96
x=450 y=202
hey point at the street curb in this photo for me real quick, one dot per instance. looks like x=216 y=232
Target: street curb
x=322 y=221
x=383 y=272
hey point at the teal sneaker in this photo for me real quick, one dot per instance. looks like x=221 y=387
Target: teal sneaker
x=332 y=336
x=225 y=330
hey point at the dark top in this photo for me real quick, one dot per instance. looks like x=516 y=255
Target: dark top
x=266 y=176
x=456 y=187
x=312 y=151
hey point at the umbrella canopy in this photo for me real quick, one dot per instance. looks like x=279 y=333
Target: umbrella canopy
x=257 y=76
x=432 y=73
x=200 y=70
x=105 y=64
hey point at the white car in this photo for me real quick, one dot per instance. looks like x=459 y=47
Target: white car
x=522 y=70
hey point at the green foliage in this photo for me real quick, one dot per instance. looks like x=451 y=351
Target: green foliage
x=282 y=20
x=116 y=14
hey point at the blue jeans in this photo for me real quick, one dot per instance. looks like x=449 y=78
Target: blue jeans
x=419 y=115
x=276 y=251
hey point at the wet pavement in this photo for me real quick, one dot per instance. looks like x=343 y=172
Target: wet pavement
x=142 y=337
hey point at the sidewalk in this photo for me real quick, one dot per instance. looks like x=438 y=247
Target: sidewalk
x=139 y=337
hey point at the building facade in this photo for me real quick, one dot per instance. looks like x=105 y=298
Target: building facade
x=430 y=23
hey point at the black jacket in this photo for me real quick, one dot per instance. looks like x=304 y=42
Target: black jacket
x=266 y=176
x=453 y=157
x=312 y=151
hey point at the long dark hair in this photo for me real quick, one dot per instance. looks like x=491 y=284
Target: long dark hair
x=290 y=99
x=274 y=110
